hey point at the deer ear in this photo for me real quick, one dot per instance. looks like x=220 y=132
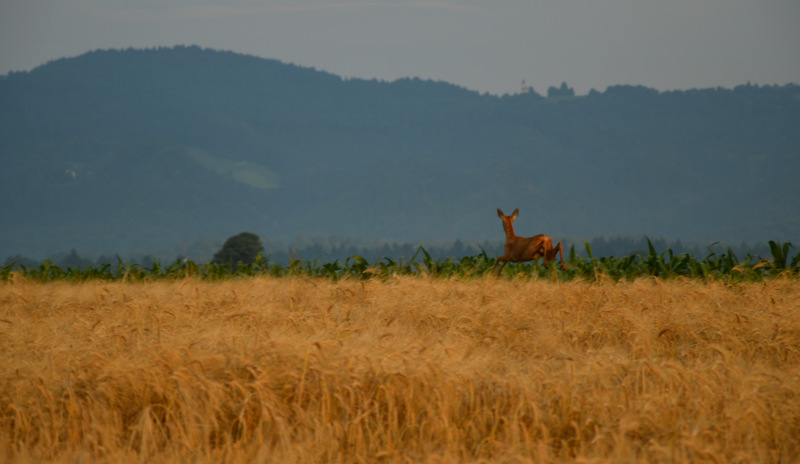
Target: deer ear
x=500 y=213
x=515 y=214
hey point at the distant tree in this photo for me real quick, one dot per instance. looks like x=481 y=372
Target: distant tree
x=242 y=248
x=19 y=261
x=105 y=259
x=562 y=91
x=457 y=250
x=74 y=261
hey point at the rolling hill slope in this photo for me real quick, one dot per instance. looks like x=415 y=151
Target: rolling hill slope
x=140 y=149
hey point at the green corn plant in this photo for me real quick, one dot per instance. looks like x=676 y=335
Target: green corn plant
x=75 y=274
x=473 y=266
x=6 y=272
x=215 y=271
x=427 y=265
x=172 y=271
x=679 y=265
x=749 y=269
x=712 y=261
x=780 y=255
x=656 y=265
x=704 y=269
x=295 y=267
x=578 y=266
x=664 y=265
x=727 y=261
x=130 y=272
x=121 y=268
x=572 y=262
x=357 y=268
x=332 y=270
x=382 y=269
x=594 y=265
x=620 y=268
x=48 y=271
x=155 y=270
x=447 y=267
x=105 y=273
x=190 y=269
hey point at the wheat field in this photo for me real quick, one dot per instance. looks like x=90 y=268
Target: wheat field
x=411 y=369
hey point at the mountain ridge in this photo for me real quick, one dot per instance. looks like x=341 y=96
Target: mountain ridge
x=97 y=151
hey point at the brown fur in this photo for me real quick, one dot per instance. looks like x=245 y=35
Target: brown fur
x=521 y=249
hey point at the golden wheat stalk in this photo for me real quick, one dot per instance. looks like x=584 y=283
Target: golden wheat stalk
x=410 y=369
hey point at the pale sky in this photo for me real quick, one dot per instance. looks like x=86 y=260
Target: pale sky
x=483 y=45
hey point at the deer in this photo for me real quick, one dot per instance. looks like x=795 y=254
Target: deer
x=521 y=249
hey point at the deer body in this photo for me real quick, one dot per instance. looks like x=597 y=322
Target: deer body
x=521 y=249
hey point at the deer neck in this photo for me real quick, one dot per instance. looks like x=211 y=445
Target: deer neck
x=509 y=230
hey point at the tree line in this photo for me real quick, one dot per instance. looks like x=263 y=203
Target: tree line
x=330 y=249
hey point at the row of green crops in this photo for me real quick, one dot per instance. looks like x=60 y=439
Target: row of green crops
x=666 y=265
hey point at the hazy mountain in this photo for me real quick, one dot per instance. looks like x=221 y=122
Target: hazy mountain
x=142 y=149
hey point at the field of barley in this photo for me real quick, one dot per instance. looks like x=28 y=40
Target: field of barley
x=406 y=369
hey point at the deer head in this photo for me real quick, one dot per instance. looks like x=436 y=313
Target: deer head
x=508 y=221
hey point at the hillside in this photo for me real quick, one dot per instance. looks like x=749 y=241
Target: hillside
x=141 y=149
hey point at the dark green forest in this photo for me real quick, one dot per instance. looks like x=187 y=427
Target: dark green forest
x=123 y=151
